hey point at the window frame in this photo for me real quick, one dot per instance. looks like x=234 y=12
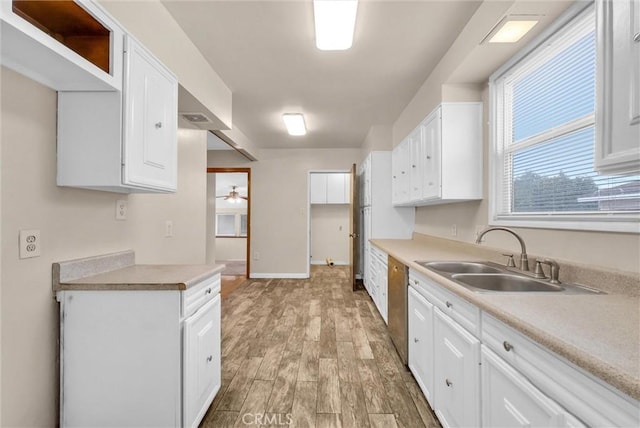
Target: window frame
x=498 y=177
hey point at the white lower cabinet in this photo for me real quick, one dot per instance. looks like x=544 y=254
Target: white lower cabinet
x=421 y=342
x=476 y=371
x=510 y=400
x=202 y=368
x=376 y=279
x=456 y=374
x=139 y=357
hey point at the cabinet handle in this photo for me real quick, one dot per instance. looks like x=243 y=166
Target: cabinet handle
x=449 y=304
x=413 y=166
x=636 y=38
x=210 y=358
x=415 y=281
x=416 y=340
x=158 y=125
x=208 y=291
x=448 y=382
x=507 y=346
x=428 y=157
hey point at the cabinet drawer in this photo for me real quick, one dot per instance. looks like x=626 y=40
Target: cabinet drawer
x=196 y=296
x=466 y=314
x=596 y=404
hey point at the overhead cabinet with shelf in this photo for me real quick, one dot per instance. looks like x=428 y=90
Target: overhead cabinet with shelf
x=441 y=160
x=65 y=45
x=117 y=104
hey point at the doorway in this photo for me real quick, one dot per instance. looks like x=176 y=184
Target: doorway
x=329 y=218
x=229 y=221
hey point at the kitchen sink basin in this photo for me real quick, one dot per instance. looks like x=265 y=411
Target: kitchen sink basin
x=461 y=267
x=505 y=282
x=489 y=277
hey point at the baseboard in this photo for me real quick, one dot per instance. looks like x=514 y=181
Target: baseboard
x=278 y=276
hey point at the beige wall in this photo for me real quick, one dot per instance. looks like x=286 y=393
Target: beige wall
x=279 y=202
x=187 y=209
x=619 y=251
x=231 y=248
x=73 y=223
x=330 y=233
x=379 y=138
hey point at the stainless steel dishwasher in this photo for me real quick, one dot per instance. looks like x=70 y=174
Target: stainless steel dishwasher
x=397 y=306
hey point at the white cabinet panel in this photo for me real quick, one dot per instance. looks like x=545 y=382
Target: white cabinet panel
x=618 y=86
x=150 y=111
x=336 y=190
x=202 y=370
x=457 y=374
x=510 y=400
x=421 y=342
x=318 y=188
x=401 y=179
x=432 y=161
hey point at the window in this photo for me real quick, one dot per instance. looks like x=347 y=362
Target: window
x=542 y=170
x=231 y=224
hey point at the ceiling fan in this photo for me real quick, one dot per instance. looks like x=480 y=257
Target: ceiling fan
x=233 y=196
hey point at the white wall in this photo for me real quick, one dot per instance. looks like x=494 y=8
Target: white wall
x=279 y=192
x=73 y=223
x=379 y=138
x=330 y=233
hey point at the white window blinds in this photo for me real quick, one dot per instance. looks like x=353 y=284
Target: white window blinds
x=544 y=113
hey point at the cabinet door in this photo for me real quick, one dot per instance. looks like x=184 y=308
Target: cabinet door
x=421 y=342
x=457 y=373
x=150 y=121
x=202 y=369
x=318 y=188
x=416 y=160
x=336 y=188
x=432 y=135
x=618 y=86
x=383 y=287
x=400 y=172
x=510 y=400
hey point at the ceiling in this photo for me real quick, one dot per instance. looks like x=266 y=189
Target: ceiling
x=265 y=52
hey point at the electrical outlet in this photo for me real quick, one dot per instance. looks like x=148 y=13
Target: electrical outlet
x=121 y=209
x=256 y=255
x=30 y=245
x=168 y=229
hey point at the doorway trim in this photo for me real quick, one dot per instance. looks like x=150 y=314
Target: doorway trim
x=248 y=172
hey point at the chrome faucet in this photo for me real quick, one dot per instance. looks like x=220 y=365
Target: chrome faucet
x=524 y=261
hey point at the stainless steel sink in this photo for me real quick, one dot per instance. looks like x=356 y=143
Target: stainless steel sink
x=505 y=282
x=489 y=277
x=461 y=267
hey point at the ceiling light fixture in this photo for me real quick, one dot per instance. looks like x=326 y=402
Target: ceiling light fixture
x=294 y=123
x=335 y=23
x=511 y=29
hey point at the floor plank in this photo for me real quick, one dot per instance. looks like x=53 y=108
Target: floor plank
x=311 y=352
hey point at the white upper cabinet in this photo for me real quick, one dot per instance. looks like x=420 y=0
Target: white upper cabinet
x=329 y=188
x=617 y=148
x=122 y=141
x=65 y=45
x=444 y=157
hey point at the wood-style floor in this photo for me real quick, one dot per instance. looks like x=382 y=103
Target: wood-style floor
x=311 y=353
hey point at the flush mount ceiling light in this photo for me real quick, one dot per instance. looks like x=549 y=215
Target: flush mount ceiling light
x=335 y=23
x=511 y=28
x=294 y=123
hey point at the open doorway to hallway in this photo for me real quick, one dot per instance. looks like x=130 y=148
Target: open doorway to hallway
x=228 y=229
